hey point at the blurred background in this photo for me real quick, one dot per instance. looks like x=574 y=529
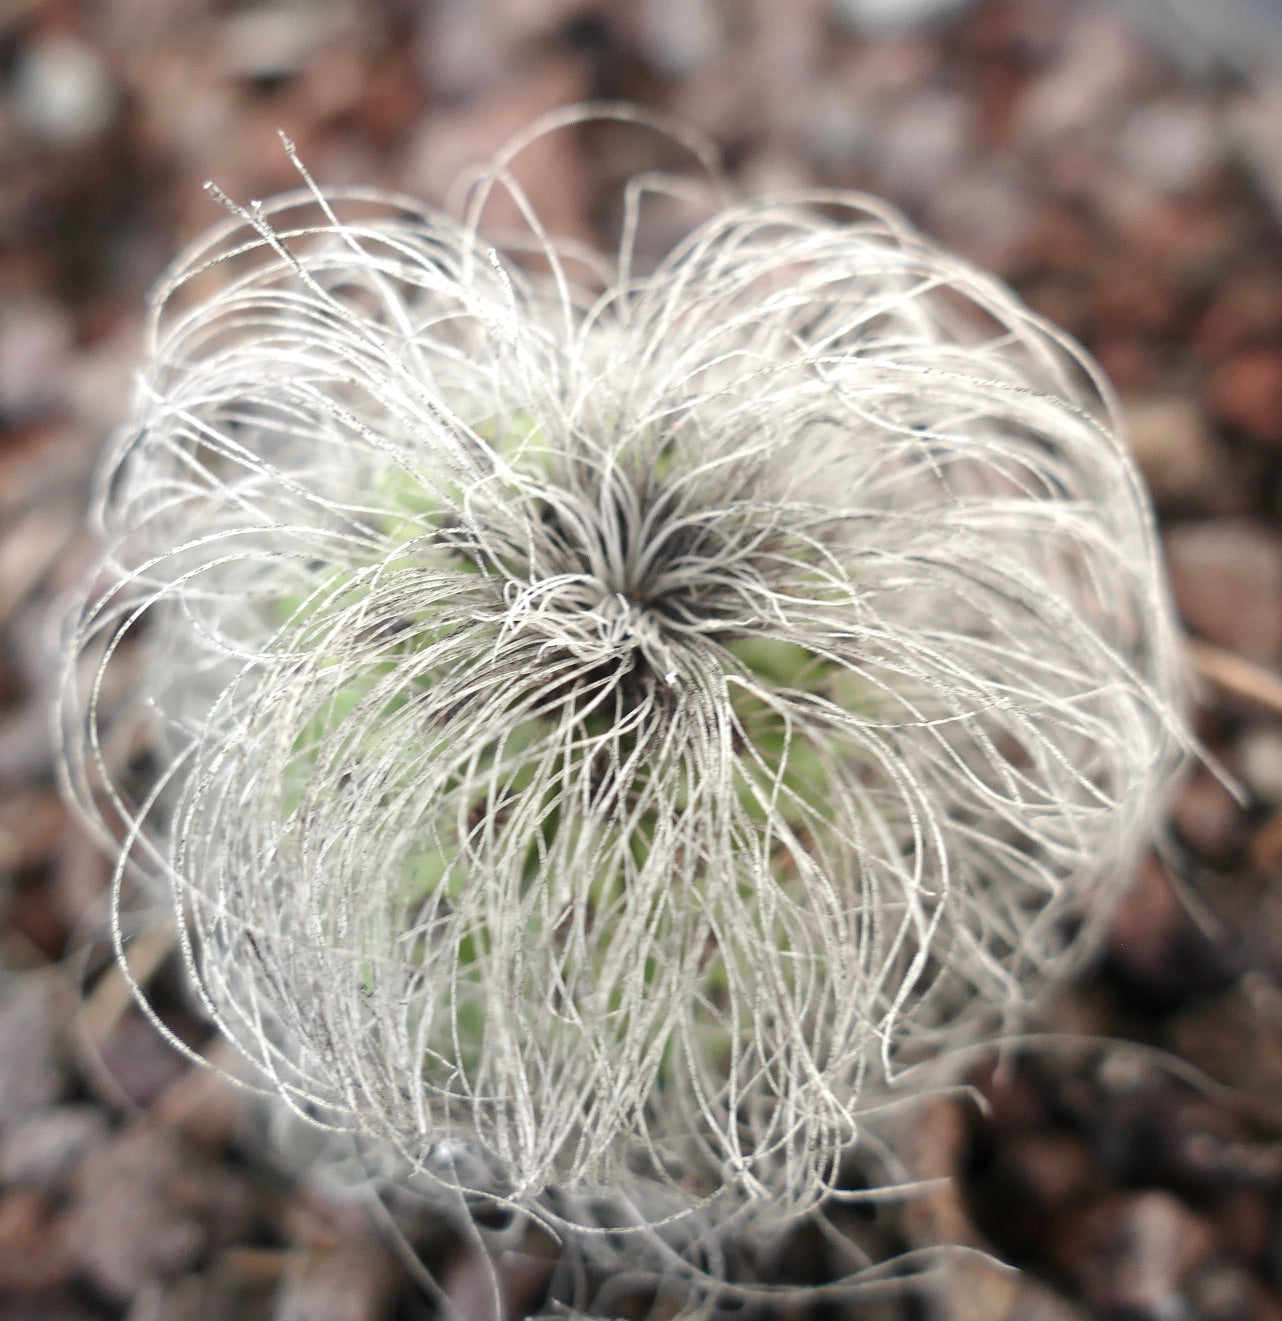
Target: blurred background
x=1119 y=163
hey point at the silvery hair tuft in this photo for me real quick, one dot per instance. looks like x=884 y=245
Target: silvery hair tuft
x=611 y=723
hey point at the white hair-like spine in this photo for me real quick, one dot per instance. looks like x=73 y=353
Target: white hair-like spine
x=608 y=728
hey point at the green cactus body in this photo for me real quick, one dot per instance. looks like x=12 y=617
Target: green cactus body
x=779 y=775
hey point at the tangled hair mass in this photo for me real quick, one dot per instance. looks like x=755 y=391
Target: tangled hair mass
x=610 y=723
